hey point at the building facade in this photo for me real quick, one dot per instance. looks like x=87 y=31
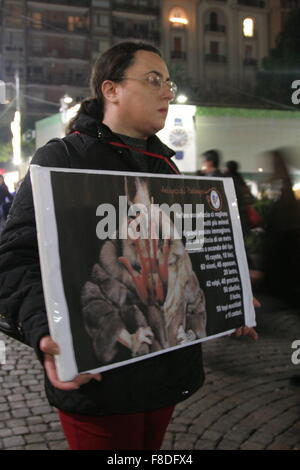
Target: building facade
x=220 y=45
x=212 y=47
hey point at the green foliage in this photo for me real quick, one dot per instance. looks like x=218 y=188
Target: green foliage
x=263 y=207
x=282 y=65
x=6 y=151
x=254 y=241
x=177 y=72
x=28 y=148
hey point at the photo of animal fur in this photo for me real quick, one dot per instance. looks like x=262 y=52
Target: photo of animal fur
x=142 y=295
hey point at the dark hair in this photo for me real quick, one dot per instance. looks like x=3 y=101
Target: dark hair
x=212 y=156
x=232 y=166
x=109 y=66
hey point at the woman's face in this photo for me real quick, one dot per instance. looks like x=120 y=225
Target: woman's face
x=141 y=108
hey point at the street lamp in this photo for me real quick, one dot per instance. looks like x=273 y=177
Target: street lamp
x=15 y=126
x=67 y=99
x=64 y=105
x=181 y=99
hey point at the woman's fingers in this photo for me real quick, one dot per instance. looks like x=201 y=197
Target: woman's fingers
x=47 y=345
x=256 y=302
x=245 y=331
x=50 y=349
x=50 y=368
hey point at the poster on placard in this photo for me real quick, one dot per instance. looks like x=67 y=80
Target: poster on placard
x=134 y=264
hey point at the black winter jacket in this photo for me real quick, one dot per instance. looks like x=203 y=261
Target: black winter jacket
x=153 y=383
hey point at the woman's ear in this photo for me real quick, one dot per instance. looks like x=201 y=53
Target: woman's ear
x=109 y=90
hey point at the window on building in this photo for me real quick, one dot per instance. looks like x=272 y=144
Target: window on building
x=102 y=3
x=101 y=45
x=101 y=21
x=36 y=20
x=14 y=15
x=75 y=23
x=77 y=77
x=178 y=48
x=177 y=44
x=75 y=48
x=213 y=21
x=13 y=41
x=248 y=27
x=248 y=51
x=37 y=45
x=37 y=70
x=214 y=48
x=11 y=68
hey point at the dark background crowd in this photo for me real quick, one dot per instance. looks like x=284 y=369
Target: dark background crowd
x=270 y=224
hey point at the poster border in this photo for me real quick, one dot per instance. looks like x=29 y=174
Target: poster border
x=58 y=312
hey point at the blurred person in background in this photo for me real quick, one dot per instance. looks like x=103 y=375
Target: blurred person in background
x=282 y=235
x=211 y=162
x=282 y=241
x=243 y=194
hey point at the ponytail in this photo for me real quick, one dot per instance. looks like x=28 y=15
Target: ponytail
x=91 y=107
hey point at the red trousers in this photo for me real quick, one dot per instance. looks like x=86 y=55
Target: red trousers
x=139 y=431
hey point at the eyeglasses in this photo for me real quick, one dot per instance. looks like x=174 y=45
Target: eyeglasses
x=156 y=81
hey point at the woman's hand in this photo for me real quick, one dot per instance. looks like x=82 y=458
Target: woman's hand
x=246 y=330
x=256 y=302
x=50 y=349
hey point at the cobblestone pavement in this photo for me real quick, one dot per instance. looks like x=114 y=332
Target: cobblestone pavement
x=247 y=401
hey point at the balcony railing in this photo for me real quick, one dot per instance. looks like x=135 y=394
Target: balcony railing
x=290 y=4
x=57 y=80
x=252 y=3
x=215 y=58
x=152 y=36
x=178 y=55
x=13 y=22
x=249 y=61
x=216 y=28
x=146 y=10
x=55 y=27
x=14 y=49
x=57 y=54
